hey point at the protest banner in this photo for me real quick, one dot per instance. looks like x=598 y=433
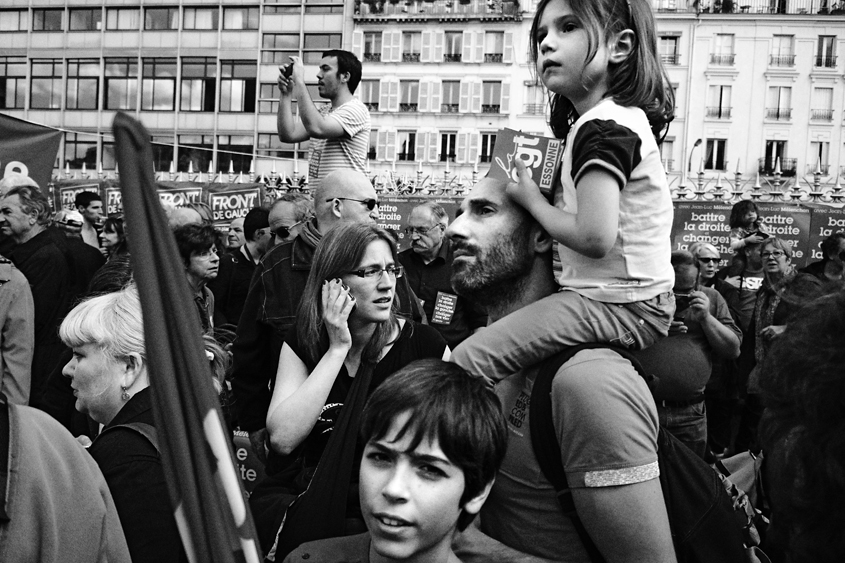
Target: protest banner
x=824 y=221
x=394 y=212
x=228 y=202
x=541 y=156
x=702 y=222
x=28 y=149
x=791 y=223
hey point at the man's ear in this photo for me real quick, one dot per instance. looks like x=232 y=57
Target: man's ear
x=337 y=206
x=543 y=242
x=621 y=46
x=473 y=505
x=344 y=76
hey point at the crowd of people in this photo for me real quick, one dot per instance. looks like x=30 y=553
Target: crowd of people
x=389 y=393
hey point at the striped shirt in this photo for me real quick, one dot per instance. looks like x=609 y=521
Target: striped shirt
x=346 y=151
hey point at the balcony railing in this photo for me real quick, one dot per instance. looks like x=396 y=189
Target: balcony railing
x=410 y=57
x=406 y=107
x=717 y=7
x=492 y=57
x=447 y=9
x=779 y=114
x=372 y=57
x=490 y=108
x=671 y=59
x=718 y=113
x=826 y=62
x=406 y=156
x=449 y=108
x=372 y=106
x=821 y=114
x=535 y=109
x=824 y=169
x=452 y=58
x=766 y=166
x=485 y=158
x=722 y=60
x=782 y=60
x=668 y=164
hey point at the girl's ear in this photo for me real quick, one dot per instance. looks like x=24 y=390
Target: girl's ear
x=622 y=45
x=473 y=505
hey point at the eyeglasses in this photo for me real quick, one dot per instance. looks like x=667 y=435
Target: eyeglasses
x=772 y=254
x=420 y=230
x=370 y=203
x=375 y=272
x=208 y=253
x=709 y=260
x=284 y=231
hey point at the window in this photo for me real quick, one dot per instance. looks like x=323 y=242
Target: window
x=714 y=157
x=719 y=106
x=269 y=144
x=83 y=80
x=12 y=82
x=668 y=48
x=411 y=46
x=667 y=149
x=451 y=100
x=372 y=46
x=281 y=46
x=240 y=18
x=535 y=98
x=159 y=85
x=46 y=89
x=447 y=147
x=128 y=19
x=235 y=150
x=370 y=90
x=14 y=20
x=373 y=147
x=779 y=105
x=488 y=143
x=494 y=46
x=88 y=19
x=336 y=9
x=775 y=151
x=314 y=44
x=409 y=95
x=453 y=45
x=200 y=18
x=199 y=84
x=268 y=98
x=81 y=149
x=825 y=56
x=724 y=50
x=195 y=150
x=491 y=97
x=290 y=8
x=237 y=86
x=48 y=20
x=822 y=104
x=161 y=18
x=121 y=85
x=162 y=153
x=783 y=50
x=107 y=158
x=819 y=154
x=407 y=146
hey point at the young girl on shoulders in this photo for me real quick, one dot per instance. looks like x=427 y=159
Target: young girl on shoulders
x=746 y=225
x=612 y=211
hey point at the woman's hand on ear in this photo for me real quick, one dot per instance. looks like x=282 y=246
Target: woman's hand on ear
x=337 y=305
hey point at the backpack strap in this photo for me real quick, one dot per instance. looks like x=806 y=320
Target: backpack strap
x=544 y=437
x=148 y=431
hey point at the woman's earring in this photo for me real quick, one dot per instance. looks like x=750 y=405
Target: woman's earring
x=125 y=395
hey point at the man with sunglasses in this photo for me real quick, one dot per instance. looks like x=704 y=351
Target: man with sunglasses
x=702 y=331
x=276 y=290
x=428 y=269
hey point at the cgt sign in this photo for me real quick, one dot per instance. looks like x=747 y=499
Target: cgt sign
x=233 y=204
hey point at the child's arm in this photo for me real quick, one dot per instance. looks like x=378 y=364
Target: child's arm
x=592 y=231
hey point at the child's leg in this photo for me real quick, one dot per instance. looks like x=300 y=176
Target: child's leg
x=541 y=329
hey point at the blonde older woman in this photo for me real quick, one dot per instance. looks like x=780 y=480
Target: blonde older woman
x=109 y=378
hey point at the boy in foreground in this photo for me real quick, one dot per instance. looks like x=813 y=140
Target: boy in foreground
x=435 y=437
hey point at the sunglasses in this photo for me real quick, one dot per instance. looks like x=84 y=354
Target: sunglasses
x=370 y=203
x=284 y=232
x=709 y=260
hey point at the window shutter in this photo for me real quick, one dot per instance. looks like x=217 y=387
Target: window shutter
x=507 y=56
x=358 y=44
x=434 y=91
x=425 y=87
x=463 y=107
x=433 y=145
x=386 y=42
x=381 y=144
x=393 y=95
x=478 y=47
x=427 y=38
x=466 y=46
x=422 y=137
x=476 y=97
x=504 y=105
x=396 y=46
x=461 y=152
x=383 y=89
x=439 y=42
x=390 y=152
x=472 y=148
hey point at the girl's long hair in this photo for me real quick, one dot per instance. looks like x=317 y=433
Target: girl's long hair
x=340 y=251
x=638 y=81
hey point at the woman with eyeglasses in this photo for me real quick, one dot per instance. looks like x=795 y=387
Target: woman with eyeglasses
x=346 y=322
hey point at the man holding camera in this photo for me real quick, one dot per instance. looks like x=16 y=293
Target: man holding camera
x=340 y=133
x=701 y=331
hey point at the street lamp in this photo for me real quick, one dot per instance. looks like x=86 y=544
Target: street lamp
x=689 y=160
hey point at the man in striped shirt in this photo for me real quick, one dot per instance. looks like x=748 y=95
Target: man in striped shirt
x=339 y=134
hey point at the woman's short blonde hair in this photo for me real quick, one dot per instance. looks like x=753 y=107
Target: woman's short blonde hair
x=112 y=321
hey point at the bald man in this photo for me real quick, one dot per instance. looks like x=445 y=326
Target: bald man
x=277 y=286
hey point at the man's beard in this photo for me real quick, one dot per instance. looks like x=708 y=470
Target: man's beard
x=498 y=274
